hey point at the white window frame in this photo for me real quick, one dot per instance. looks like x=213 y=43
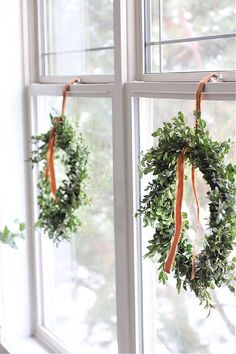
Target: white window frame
x=40 y=11
x=128 y=83
x=92 y=86
x=226 y=75
x=157 y=90
x=124 y=295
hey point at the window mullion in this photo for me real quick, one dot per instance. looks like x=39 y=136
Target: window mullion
x=160 y=14
x=122 y=191
x=147 y=34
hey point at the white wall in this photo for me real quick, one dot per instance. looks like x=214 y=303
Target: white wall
x=14 y=316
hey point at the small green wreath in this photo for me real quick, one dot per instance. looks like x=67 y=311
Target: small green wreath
x=214 y=267
x=57 y=216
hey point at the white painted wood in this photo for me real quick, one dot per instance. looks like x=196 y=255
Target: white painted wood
x=50 y=341
x=189 y=39
x=214 y=90
x=140 y=39
x=132 y=41
x=86 y=79
x=123 y=239
x=136 y=223
x=88 y=90
x=227 y=76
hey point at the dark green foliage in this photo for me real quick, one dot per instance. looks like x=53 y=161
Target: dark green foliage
x=8 y=237
x=58 y=219
x=214 y=267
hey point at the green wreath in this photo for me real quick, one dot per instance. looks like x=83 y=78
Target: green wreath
x=214 y=267
x=57 y=216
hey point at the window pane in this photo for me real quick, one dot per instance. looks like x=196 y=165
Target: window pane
x=201 y=55
x=176 y=323
x=154 y=20
x=78 y=37
x=168 y=23
x=187 y=19
x=92 y=62
x=155 y=59
x=79 y=277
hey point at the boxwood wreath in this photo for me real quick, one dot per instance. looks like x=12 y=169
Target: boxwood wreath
x=58 y=207
x=213 y=266
x=57 y=214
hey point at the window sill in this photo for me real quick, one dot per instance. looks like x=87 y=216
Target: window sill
x=27 y=346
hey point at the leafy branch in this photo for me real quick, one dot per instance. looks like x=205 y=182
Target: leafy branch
x=8 y=237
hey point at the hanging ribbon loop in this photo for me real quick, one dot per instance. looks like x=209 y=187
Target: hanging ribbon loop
x=180 y=192
x=198 y=95
x=65 y=94
x=50 y=170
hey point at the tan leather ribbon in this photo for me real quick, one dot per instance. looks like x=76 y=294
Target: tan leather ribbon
x=199 y=91
x=198 y=94
x=180 y=192
x=193 y=274
x=50 y=170
x=178 y=214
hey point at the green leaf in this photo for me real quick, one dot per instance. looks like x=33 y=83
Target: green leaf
x=178 y=285
x=158 y=132
x=6 y=231
x=231 y=288
x=202 y=123
x=22 y=226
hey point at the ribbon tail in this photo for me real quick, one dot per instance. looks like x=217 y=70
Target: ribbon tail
x=50 y=171
x=193 y=274
x=178 y=214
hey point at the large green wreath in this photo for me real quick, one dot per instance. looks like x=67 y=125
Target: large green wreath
x=58 y=218
x=214 y=266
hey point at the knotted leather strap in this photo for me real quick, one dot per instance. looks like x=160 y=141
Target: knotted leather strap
x=50 y=170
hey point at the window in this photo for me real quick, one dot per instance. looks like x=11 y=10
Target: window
x=139 y=63
x=178 y=323
x=78 y=278
x=77 y=37
x=185 y=36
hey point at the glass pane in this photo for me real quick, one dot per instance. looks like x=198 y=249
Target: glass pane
x=187 y=19
x=79 y=304
x=84 y=63
x=217 y=54
x=155 y=58
x=176 y=323
x=75 y=31
x=155 y=20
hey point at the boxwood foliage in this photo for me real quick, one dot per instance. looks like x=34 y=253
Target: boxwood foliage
x=9 y=237
x=58 y=218
x=215 y=267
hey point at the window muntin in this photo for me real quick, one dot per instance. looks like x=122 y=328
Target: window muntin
x=77 y=37
x=175 y=30
x=78 y=277
x=175 y=323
